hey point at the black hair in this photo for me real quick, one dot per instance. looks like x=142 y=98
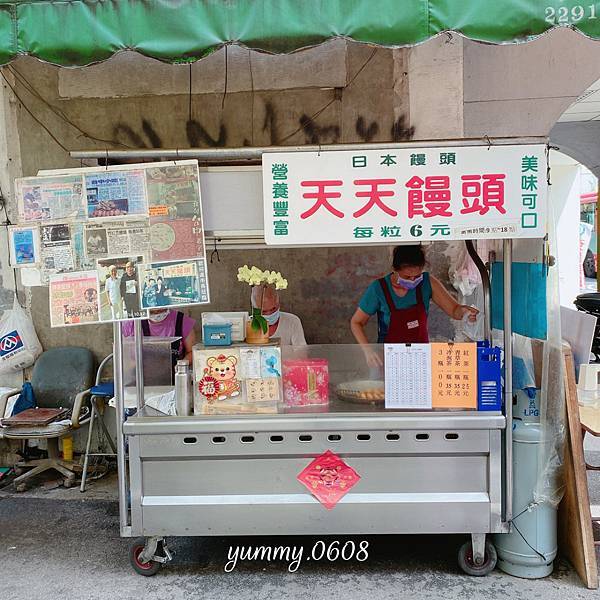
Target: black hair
x=408 y=256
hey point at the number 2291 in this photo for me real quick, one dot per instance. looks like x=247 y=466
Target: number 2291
x=563 y=15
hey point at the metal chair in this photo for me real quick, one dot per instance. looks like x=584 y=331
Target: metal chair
x=103 y=391
x=61 y=378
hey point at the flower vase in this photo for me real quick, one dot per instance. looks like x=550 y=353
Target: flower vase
x=254 y=336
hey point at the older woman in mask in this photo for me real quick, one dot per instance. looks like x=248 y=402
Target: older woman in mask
x=285 y=326
x=168 y=323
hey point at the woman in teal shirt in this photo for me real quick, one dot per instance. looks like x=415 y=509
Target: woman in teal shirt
x=401 y=301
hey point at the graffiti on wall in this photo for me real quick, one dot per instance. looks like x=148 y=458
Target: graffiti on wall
x=316 y=130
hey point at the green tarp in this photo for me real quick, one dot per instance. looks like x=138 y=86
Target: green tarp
x=79 y=32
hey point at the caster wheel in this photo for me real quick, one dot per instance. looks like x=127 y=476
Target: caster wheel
x=68 y=482
x=18 y=471
x=467 y=564
x=146 y=569
x=21 y=487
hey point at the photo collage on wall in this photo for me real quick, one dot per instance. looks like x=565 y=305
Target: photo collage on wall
x=113 y=243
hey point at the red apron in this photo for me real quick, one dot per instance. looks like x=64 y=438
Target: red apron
x=407 y=325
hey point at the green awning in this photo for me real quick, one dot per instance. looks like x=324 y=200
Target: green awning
x=80 y=32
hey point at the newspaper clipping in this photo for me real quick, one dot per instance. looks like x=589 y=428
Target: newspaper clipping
x=119 y=288
x=112 y=243
x=175 y=210
x=80 y=260
x=113 y=194
x=56 y=251
x=117 y=238
x=73 y=298
x=24 y=246
x=174 y=284
x=50 y=198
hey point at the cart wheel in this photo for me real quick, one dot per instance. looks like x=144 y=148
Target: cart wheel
x=21 y=487
x=467 y=564
x=146 y=569
x=18 y=471
x=68 y=482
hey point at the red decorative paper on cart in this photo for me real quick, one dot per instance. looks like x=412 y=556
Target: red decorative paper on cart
x=328 y=478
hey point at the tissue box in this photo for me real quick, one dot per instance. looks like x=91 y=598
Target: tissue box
x=306 y=382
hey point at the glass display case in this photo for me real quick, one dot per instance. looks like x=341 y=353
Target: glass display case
x=157 y=361
x=342 y=378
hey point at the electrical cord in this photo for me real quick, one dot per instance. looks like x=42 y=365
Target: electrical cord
x=528 y=508
x=335 y=97
x=6 y=224
x=59 y=113
x=62 y=146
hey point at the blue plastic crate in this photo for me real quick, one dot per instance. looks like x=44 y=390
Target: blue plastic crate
x=489 y=377
x=217 y=334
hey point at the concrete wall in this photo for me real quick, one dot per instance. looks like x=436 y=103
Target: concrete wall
x=522 y=89
x=10 y=167
x=338 y=93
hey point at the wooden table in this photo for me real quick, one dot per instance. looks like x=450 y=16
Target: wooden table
x=589 y=415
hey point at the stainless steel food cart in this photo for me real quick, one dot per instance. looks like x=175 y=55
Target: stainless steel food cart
x=421 y=472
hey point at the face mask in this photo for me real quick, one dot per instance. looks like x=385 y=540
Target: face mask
x=159 y=316
x=409 y=284
x=272 y=318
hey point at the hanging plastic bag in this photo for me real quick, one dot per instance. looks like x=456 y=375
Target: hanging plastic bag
x=523 y=366
x=474 y=330
x=19 y=343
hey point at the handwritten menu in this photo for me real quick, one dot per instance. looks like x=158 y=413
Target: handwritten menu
x=425 y=376
x=408 y=376
x=454 y=375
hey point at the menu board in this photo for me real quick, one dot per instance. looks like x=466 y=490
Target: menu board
x=425 y=376
x=407 y=376
x=454 y=375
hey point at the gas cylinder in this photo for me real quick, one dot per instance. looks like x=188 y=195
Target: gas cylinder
x=529 y=550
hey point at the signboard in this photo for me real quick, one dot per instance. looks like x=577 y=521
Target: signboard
x=409 y=195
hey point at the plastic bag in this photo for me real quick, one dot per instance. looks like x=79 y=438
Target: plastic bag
x=463 y=272
x=523 y=367
x=25 y=400
x=19 y=343
x=474 y=331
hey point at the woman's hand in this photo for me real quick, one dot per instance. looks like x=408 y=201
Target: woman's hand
x=463 y=309
x=372 y=357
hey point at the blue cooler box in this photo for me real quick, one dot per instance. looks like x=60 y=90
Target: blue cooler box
x=217 y=334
